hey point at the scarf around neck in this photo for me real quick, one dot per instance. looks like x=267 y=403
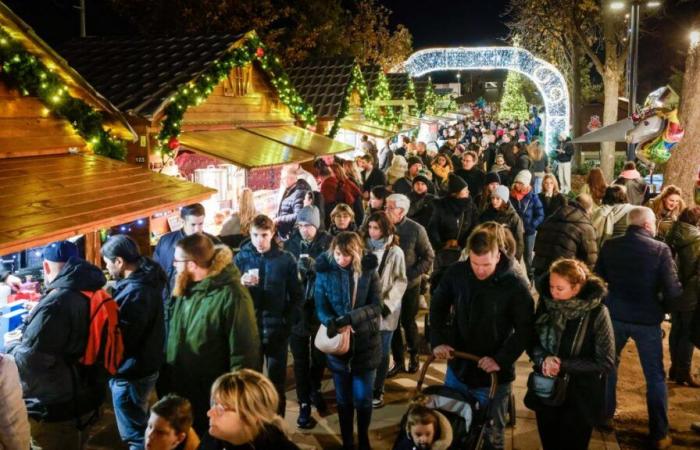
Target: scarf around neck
x=551 y=323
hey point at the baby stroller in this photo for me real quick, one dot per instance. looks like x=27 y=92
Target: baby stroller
x=466 y=415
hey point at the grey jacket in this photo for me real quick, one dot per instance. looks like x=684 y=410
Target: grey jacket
x=418 y=252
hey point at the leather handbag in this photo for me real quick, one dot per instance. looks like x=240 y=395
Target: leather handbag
x=340 y=343
x=551 y=391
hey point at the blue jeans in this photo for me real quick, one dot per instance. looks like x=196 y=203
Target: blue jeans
x=384 y=365
x=527 y=255
x=354 y=389
x=648 y=340
x=495 y=433
x=130 y=400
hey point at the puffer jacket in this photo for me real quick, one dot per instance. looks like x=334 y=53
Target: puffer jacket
x=292 y=202
x=14 y=426
x=278 y=296
x=334 y=288
x=452 y=220
x=392 y=282
x=212 y=331
x=141 y=320
x=510 y=218
x=493 y=317
x=596 y=359
x=308 y=322
x=53 y=340
x=418 y=253
x=551 y=204
x=684 y=240
x=568 y=233
x=529 y=209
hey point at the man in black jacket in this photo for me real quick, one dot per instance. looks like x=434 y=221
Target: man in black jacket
x=421 y=201
x=140 y=282
x=492 y=317
x=568 y=233
x=306 y=244
x=371 y=176
x=53 y=340
x=471 y=174
x=639 y=271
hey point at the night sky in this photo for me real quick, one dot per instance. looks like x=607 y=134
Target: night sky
x=432 y=23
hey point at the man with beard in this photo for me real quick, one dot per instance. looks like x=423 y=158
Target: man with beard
x=212 y=327
x=421 y=201
x=270 y=274
x=140 y=282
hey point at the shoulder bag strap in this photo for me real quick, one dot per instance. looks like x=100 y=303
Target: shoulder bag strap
x=383 y=262
x=356 y=277
x=580 y=335
x=461 y=222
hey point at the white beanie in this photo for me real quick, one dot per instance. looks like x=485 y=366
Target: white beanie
x=502 y=192
x=524 y=177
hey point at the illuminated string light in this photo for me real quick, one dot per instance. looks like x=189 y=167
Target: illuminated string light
x=547 y=78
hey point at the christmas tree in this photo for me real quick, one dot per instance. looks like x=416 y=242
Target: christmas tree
x=513 y=103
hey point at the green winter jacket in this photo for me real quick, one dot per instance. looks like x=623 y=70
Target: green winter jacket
x=212 y=331
x=684 y=240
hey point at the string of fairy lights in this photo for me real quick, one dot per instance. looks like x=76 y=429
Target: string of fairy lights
x=30 y=76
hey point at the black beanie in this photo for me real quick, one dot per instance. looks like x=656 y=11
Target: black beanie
x=121 y=246
x=422 y=178
x=492 y=177
x=455 y=184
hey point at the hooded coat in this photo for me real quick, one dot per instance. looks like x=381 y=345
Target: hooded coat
x=568 y=233
x=212 y=331
x=443 y=436
x=141 y=320
x=491 y=317
x=334 y=288
x=453 y=220
x=292 y=202
x=684 y=240
x=54 y=339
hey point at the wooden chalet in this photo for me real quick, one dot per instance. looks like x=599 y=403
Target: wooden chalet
x=52 y=185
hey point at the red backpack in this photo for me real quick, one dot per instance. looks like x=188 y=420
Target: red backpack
x=104 y=337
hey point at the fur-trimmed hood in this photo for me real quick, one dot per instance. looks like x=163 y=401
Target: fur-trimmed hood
x=444 y=435
x=220 y=272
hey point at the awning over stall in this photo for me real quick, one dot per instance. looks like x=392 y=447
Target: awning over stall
x=367 y=128
x=48 y=198
x=616 y=132
x=302 y=139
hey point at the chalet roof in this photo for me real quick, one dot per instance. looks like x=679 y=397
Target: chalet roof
x=420 y=85
x=370 y=73
x=398 y=85
x=323 y=83
x=140 y=74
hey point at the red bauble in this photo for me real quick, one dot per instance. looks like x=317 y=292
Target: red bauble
x=260 y=52
x=173 y=143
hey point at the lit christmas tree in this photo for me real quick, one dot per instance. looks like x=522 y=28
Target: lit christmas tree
x=513 y=103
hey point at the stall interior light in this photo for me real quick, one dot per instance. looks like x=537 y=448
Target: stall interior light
x=653 y=4
x=694 y=38
x=617 y=6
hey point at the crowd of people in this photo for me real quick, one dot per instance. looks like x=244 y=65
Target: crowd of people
x=475 y=232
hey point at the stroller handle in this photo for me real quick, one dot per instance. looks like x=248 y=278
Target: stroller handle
x=459 y=355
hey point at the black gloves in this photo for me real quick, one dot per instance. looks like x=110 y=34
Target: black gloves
x=332 y=330
x=342 y=321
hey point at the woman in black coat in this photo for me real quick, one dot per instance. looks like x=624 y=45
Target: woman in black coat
x=453 y=216
x=550 y=196
x=501 y=211
x=571 y=302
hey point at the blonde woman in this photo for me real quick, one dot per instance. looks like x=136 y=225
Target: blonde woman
x=539 y=164
x=550 y=197
x=347 y=297
x=243 y=412
x=342 y=219
x=667 y=207
x=238 y=225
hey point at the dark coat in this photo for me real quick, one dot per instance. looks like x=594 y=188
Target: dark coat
x=450 y=217
x=334 y=287
x=54 y=339
x=375 y=178
x=474 y=178
x=638 y=268
x=308 y=321
x=492 y=318
x=684 y=240
x=271 y=437
x=568 y=149
x=418 y=253
x=522 y=162
x=551 y=204
x=278 y=296
x=510 y=218
x=568 y=233
x=292 y=202
x=421 y=208
x=530 y=210
x=142 y=320
x=595 y=360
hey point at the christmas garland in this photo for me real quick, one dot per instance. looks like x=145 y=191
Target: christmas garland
x=382 y=115
x=357 y=81
x=30 y=76
x=429 y=99
x=196 y=91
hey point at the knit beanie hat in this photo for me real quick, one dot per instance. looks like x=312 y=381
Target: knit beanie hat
x=524 y=177
x=492 y=177
x=413 y=160
x=455 y=184
x=421 y=178
x=502 y=192
x=309 y=214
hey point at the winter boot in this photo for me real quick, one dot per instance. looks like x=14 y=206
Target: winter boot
x=305 y=421
x=413 y=363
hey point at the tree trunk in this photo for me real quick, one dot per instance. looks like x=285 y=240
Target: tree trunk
x=611 y=87
x=682 y=168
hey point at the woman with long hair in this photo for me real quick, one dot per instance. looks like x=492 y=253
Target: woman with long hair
x=237 y=227
x=595 y=185
x=243 y=413
x=539 y=164
x=667 y=207
x=348 y=300
x=571 y=306
x=441 y=169
x=550 y=197
x=382 y=241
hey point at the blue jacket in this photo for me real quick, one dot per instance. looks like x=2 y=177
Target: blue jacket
x=333 y=295
x=530 y=210
x=638 y=268
x=278 y=295
x=142 y=320
x=292 y=202
x=53 y=340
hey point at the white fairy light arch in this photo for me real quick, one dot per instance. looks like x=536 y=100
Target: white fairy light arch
x=547 y=78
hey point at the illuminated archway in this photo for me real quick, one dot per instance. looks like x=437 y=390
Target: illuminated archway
x=549 y=81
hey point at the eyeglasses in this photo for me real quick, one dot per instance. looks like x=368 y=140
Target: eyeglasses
x=218 y=409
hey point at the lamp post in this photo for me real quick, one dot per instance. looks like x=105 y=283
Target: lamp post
x=459 y=84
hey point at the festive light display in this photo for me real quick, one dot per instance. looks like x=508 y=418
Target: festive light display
x=547 y=78
x=513 y=104
x=382 y=115
x=357 y=82
x=411 y=95
x=30 y=76
x=429 y=99
x=196 y=91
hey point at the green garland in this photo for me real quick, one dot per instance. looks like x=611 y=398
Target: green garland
x=357 y=81
x=30 y=76
x=429 y=99
x=196 y=91
x=388 y=119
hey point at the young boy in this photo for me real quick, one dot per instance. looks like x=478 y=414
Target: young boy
x=425 y=430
